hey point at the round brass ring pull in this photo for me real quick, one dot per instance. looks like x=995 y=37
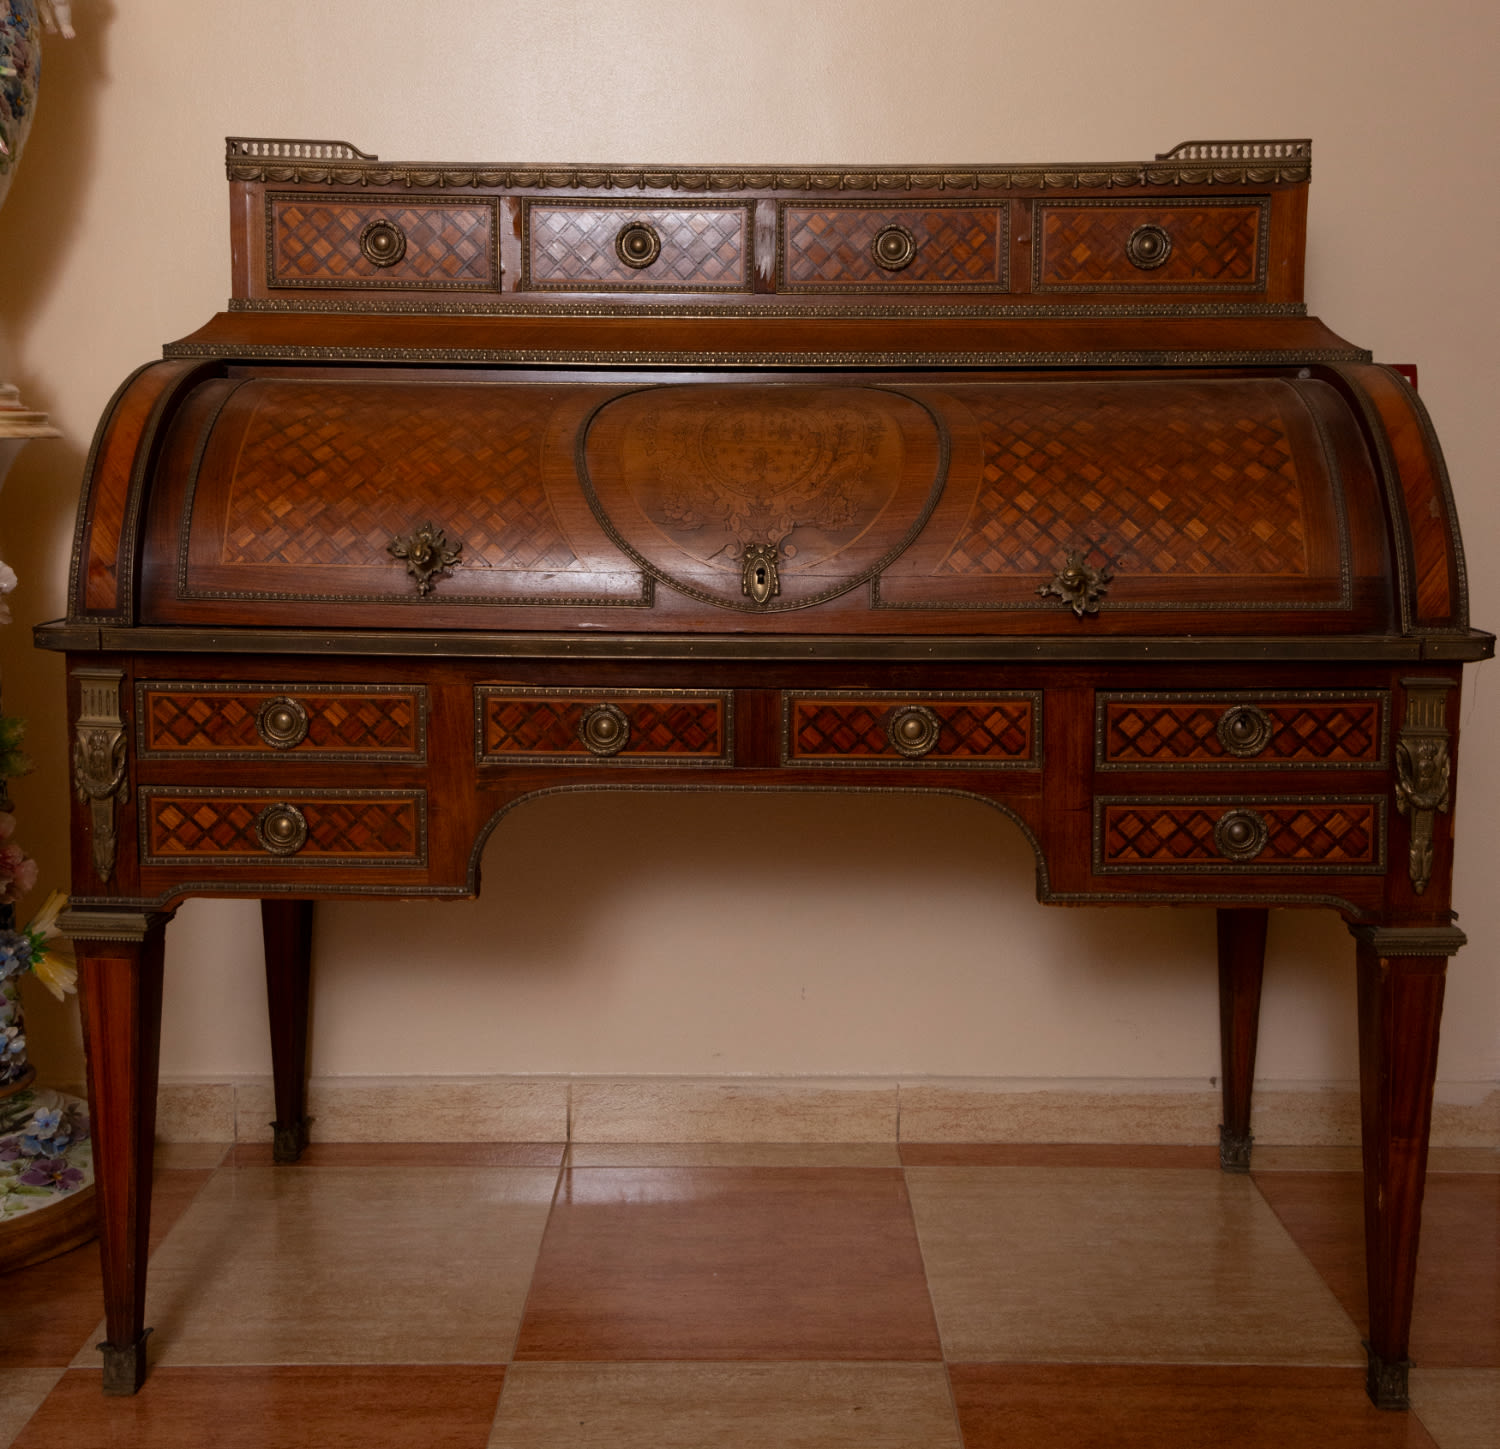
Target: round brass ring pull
x=1240 y=835
x=604 y=729
x=282 y=723
x=638 y=244
x=281 y=829
x=383 y=243
x=913 y=730
x=1148 y=246
x=893 y=248
x=1244 y=730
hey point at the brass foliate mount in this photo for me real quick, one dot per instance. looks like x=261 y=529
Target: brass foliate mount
x=1423 y=770
x=426 y=554
x=1078 y=585
x=760 y=581
x=100 y=775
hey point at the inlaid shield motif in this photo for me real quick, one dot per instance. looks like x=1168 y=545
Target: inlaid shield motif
x=763 y=498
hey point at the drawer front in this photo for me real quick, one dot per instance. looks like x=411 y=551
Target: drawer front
x=1203 y=245
x=1246 y=729
x=193 y=721
x=622 y=727
x=373 y=242
x=855 y=245
x=598 y=246
x=903 y=729
x=322 y=827
x=1171 y=835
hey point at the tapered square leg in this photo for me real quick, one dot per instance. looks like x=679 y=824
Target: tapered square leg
x=120 y=974
x=1242 y=960
x=286 y=928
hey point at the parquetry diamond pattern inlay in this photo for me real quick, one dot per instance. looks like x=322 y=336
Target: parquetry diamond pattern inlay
x=574 y=246
x=374 y=723
x=1156 y=481
x=1146 y=733
x=318 y=241
x=1085 y=246
x=955 y=246
x=856 y=729
x=209 y=825
x=1343 y=833
x=330 y=473
x=520 y=726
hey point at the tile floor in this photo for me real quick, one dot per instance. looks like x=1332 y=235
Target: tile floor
x=923 y=1297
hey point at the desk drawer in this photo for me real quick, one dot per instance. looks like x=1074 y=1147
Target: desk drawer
x=601 y=246
x=193 y=721
x=850 y=727
x=316 y=827
x=1173 y=835
x=862 y=246
x=1244 y=729
x=622 y=727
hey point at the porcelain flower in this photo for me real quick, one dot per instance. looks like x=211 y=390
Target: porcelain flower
x=52 y=960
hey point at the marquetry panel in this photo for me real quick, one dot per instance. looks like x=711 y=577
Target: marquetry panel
x=855 y=728
x=1161 y=480
x=957 y=248
x=1213 y=247
x=1314 y=835
x=1313 y=728
x=315 y=241
x=706 y=247
x=358 y=827
x=208 y=721
x=544 y=726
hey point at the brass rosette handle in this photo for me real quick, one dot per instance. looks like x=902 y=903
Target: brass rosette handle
x=282 y=723
x=638 y=244
x=1148 y=247
x=281 y=829
x=1244 y=730
x=913 y=730
x=893 y=248
x=1240 y=835
x=382 y=243
x=604 y=729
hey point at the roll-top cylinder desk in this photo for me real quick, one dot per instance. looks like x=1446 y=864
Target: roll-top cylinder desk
x=1034 y=484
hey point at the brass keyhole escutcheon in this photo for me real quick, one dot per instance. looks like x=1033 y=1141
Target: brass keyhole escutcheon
x=638 y=244
x=1148 y=246
x=913 y=730
x=383 y=243
x=1244 y=730
x=281 y=829
x=893 y=248
x=604 y=729
x=282 y=723
x=1240 y=835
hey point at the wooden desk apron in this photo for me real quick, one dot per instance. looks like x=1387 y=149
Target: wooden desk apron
x=1035 y=485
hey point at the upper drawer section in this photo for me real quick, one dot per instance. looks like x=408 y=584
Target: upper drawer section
x=859 y=246
x=601 y=246
x=1205 y=244
x=381 y=242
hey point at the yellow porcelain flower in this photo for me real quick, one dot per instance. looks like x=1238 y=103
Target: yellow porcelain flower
x=55 y=966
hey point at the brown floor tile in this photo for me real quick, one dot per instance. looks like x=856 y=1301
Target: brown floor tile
x=1054 y=1154
x=22 y=1391
x=51 y=1310
x=733 y=1154
x=170 y=1155
x=1459 y=1407
x=273 y=1408
x=1118 y=1265
x=348 y=1265
x=409 y=1154
x=721 y=1263
x=728 y=1406
x=1145 y=1406
x=1456 y=1312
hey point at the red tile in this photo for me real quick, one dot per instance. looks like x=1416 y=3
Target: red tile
x=409 y=1154
x=50 y=1310
x=730 y=1263
x=1154 y=1406
x=1456 y=1313
x=1059 y=1154
x=274 y=1408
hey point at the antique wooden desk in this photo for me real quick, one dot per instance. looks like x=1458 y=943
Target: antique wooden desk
x=1032 y=483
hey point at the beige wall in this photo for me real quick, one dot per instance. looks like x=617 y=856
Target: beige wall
x=869 y=936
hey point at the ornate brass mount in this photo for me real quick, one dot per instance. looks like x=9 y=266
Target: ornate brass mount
x=99 y=760
x=638 y=244
x=282 y=723
x=893 y=248
x=281 y=829
x=427 y=555
x=913 y=730
x=1078 y=585
x=1244 y=730
x=1148 y=246
x=604 y=729
x=1240 y=835
x=1423 y=769
x=761 y=580
x=383 y=243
